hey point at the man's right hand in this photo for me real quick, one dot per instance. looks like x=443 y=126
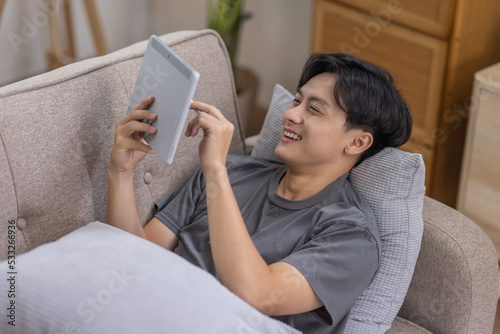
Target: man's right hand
x=129 y=147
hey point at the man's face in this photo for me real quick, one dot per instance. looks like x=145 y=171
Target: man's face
x=313 y=132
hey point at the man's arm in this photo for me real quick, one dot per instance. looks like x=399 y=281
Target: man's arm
x=275 y=289
x=128 y=149
x=122 y=209
x=122 y=213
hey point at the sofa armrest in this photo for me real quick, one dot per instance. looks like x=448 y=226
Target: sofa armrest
x=455 y=284
x=403 y=326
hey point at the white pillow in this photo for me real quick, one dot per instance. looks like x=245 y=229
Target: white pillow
x=100 y=279
x=392 y=182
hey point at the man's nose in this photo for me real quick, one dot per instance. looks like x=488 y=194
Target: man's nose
x=294 y=114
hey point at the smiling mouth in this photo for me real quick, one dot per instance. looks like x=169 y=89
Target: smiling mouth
x=293 y=136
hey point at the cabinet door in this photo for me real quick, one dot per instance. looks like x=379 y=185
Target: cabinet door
x=416 y=61
x=433 y=17
x=479 y=195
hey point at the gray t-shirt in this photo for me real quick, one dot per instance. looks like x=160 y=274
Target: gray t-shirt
x=331 y=238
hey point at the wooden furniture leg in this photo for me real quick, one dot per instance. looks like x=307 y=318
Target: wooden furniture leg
x=56 y=54
x=69 y=29
x=2 y=3
x=95 y=24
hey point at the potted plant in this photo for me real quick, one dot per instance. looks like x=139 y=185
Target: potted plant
x=226 y=17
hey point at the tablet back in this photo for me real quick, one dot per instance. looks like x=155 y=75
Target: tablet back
x=167 y=77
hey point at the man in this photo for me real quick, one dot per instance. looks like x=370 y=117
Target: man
x=294 y=240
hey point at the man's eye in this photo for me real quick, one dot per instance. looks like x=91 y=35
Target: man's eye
x=315 y=110
x=296 y=101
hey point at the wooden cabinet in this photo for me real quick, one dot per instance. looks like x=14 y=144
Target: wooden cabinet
x=479 y=194
x=433 y=48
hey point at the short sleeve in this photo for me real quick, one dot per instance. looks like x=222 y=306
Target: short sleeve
x=187 y=203
x=339 y=263
x=176 y=209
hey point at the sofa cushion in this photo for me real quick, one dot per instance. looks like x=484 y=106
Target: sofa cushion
x=392 y=182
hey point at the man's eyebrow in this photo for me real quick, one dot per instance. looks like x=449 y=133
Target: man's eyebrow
x=299 y=91
x=316 y=98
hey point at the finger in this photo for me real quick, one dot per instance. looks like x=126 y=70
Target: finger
x=142 y=140
x=207 y=108
x=137 y=136
x=193 y=127
x=138 y=146
x=140 y=112
x=144 y=104
x=137 y=116
x=202 y=121
x=130 y=128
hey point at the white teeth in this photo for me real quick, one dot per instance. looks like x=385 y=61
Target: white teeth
x=292 y=135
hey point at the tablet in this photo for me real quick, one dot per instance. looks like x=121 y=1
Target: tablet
x=172 y=82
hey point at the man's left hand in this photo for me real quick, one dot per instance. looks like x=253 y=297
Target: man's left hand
x=217 y=135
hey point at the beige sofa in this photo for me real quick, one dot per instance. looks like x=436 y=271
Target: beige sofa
x=56 y=133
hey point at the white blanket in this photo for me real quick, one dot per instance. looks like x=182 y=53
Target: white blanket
x=99 y=279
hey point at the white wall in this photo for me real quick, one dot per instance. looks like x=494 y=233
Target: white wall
x=25 y=59
x=25 y=32
x=274 y=42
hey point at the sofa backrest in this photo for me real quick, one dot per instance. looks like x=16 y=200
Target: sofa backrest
x=56 y=135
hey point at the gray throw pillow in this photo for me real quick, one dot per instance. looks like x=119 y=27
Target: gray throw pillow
x=270 y=134
x=392 y=182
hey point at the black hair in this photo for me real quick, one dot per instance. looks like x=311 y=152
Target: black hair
x=368 y=95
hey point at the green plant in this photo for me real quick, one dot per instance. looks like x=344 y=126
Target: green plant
x=225 y=17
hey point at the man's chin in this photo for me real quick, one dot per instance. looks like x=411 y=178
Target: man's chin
x=277 y=152
x=282 y=156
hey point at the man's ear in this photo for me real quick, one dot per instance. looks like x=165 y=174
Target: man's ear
x=360 y=142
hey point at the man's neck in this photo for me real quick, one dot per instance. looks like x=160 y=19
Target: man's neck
x=296 y=186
